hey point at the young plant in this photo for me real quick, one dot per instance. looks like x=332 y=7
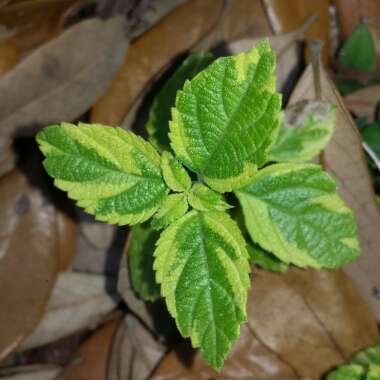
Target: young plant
x=226 y=137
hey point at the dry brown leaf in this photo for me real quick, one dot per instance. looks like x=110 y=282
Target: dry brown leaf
x=56 y=83
x=9 y=56
x=245 y=18
x=94 y=354
x=286 y=16
x=179 y=31
x=28 y=258
x=34 y=22
x=301 y=324
x=67 y=238
x=7 y=156
x=135 y=352
x=344 y=159
x=78 y=301
x=364 y=102
x=31 y=372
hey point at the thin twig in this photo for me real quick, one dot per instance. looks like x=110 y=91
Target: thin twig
x=372 y=154
x=316 y=48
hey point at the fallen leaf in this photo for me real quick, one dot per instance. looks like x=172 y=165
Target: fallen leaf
x=322 y=322
x=31 y=372
x=78 y=301
x=93 y=354
x=34 y=22
x=58 y=83
x=364 y=102
x=150 y=54
x=67 y=238
x=28 y=258
x=9 y=56
x=344 y=159
x=99 y=246
x=245 y=18
x=300 y=325
x=287 y=16
x=7 y=157
x=135 y=352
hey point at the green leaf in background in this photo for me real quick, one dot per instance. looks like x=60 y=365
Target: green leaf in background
x=160 y=112
x=305 y=132
x=373 y=372
x=359 y=50
x=294 y=212
x=227 y=117
x=364 y=366
x=371 y=135
x=141 y=245
x=368 y=356
x=348 y=372
x=203 y=198
x=175 y=175
x=111 y=173
x=202 y=265
x=265 y=259
x=174 y=206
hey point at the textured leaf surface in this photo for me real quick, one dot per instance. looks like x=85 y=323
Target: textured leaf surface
x=203 y=198
x=368 y=356
x=113 y=174
x=265 y=259
x=348 y=372
x=373 y=373
x=359 y=50
x=174 y=206
x=141 y=246
x=159 y=114
x=175 y=175
x=226 y=118
x=294 y=212
x=202 y=265
x=306 y=130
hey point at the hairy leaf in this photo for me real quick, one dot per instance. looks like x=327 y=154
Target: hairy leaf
x=373 y=372
x=202 y=198
x=174 y=206
x=141 y=246
x=226 y=118
x=175 y=175
x=359 y=50
x=202 y=266
x=265 y=259
x=307 y=128
x=159 y=114
x=368 y=356
x=111 y=173
x=294 y=212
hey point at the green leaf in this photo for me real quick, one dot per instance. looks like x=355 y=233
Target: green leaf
x=359 y=50
x=226 y=118
x=111 y=173
x=371 y=135
x=373 y=372
x=141 y=245
x=307 y=128
x=347 y=372
x=203 y=198
x=368 y=356
x=294 y=212
x=265 y=259
x=175 y=175
x=174 y=206
x=202 y=266
x=159 y=114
